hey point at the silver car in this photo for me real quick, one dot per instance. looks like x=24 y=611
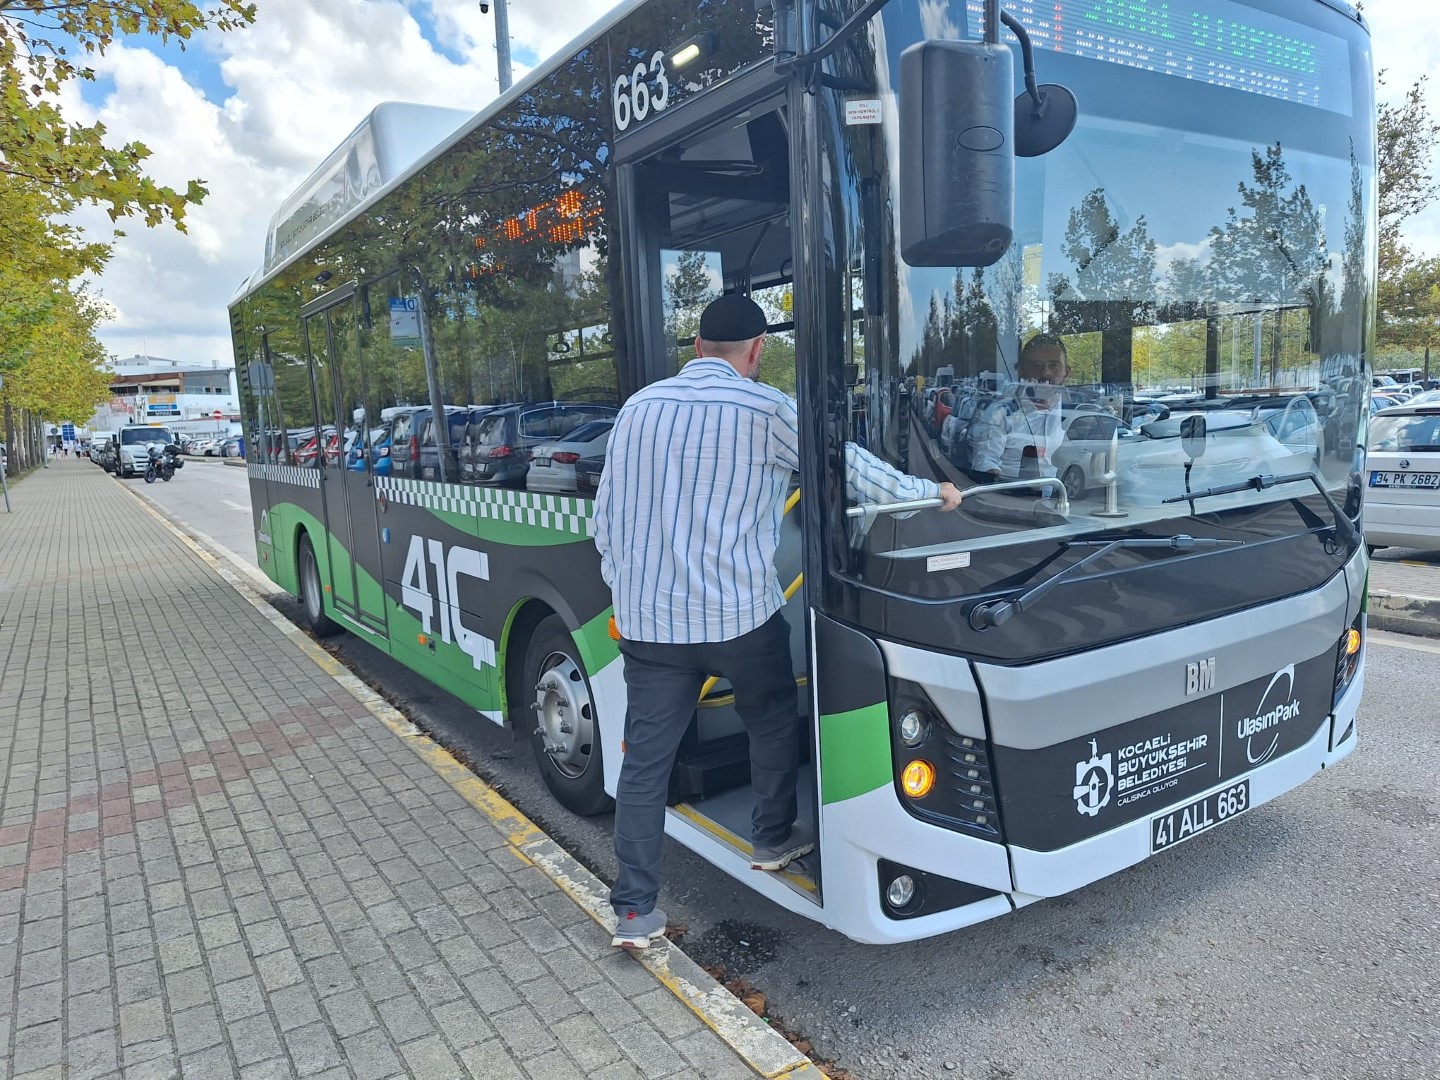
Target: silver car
x=552 y=465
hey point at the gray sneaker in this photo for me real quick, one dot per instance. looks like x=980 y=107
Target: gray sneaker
x=801 y=841
x=636 y=932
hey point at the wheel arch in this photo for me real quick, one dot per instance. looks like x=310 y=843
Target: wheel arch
x=540 y=599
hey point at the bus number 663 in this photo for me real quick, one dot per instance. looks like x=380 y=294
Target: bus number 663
x=633 y=99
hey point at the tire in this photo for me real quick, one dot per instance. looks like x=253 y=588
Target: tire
x=556 y=695
x=1074 y=481
x=150 y=475
x=311 y=595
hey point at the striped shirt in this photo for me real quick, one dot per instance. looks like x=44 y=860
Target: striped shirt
x=687 y=516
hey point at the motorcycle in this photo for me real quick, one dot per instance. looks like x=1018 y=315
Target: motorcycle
x=163 y=462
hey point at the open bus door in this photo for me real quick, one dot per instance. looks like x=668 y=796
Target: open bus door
x=707 y=200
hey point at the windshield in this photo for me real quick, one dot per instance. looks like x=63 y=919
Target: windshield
x=139 y=436
x=589 y=431
x=1200 y=244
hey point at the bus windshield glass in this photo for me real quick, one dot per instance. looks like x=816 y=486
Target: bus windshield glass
x=1196 y=247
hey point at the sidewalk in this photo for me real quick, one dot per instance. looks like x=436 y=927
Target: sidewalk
x=229 y=863
x=1404 y=596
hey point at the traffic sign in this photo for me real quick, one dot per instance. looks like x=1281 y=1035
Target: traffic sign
x=217 y=415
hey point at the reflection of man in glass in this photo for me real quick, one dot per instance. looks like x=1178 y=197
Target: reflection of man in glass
x=1018 y=436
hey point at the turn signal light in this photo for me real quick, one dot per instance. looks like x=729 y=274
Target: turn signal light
x=1352 y=642
x=614 y=630
x=918 y=778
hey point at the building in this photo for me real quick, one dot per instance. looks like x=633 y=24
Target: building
x=183 y=396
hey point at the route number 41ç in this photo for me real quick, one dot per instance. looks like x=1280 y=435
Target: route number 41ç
x=449 y=566
x=643 y=91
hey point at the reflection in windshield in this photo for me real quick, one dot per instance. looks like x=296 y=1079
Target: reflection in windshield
x=1190 y=249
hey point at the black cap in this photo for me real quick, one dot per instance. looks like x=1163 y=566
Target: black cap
x=732 y=318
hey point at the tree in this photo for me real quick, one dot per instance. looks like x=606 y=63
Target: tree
x=1114 y=287
x=1273 y=252
x=1408 y=284
x=72 y=161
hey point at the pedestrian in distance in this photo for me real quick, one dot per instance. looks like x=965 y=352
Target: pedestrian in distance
x=687 y=522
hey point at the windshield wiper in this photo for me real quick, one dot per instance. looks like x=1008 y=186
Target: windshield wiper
x=1344 y=527
x=999 y=612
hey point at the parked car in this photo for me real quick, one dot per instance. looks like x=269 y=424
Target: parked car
x=552 y=465
x=99 y=448
x=234 y=446
x=1239 y=444
x=404 y=448
x=457 y=421
x=1429 y=397
x=1402 y=500
x=587 y=474
x=1082 y=458
x=506 y=435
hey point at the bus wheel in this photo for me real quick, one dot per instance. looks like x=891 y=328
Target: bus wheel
x=560 y=712
x=321 y=625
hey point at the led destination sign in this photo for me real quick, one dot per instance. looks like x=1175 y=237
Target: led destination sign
x=1213 y=41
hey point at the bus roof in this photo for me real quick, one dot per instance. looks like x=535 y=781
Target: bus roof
x=444 y=142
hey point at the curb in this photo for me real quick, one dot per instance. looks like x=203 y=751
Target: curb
x=760 y=1046
x=1402 y=614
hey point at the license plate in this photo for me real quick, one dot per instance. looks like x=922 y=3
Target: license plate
x=1195 y=817
x=1405 y=480
x=542 y=462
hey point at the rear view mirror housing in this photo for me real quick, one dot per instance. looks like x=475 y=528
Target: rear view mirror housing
x=957 y=153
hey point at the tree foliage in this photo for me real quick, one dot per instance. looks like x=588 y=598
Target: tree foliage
x=39 y=40
x=1409 y=284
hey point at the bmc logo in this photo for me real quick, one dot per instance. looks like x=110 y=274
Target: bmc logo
x=1200 y=677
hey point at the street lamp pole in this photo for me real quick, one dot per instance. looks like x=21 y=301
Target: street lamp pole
x=502 y=39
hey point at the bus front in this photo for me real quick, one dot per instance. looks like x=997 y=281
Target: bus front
x=1147 y=615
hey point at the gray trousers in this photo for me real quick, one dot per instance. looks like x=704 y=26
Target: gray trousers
x=663 y=683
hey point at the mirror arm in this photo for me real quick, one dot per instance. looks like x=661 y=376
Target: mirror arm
x=1028 y=57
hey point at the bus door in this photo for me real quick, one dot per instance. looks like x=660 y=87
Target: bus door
x=331 y=334
x=707 y=195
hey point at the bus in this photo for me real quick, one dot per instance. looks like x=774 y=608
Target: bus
x=1002 y=703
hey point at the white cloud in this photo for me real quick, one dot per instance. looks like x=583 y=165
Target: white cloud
x=296 y=83
x=1406 y=35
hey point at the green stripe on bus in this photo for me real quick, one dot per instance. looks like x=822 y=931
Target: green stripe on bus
x=854 y=752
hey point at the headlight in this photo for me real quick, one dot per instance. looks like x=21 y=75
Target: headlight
x=1347 y=657
x=913 y=727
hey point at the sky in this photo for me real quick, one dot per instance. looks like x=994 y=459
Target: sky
x=252 y=112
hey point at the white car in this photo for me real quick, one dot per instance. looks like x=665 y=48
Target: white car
x=1402 y=487
x=1239 y=444
x=552 y=465
x=1081 y=460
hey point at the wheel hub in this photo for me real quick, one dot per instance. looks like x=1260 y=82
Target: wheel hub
x=564 y=714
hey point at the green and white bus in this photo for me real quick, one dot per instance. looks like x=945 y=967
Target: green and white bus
x=1152 y=622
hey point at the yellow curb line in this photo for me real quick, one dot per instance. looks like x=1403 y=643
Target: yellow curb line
x=760 y=1046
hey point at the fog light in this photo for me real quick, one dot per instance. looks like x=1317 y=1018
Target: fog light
x=913 y=728
x=918 y=778
x=900 y=891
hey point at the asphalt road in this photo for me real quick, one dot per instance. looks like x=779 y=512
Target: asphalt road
x=1300 y=940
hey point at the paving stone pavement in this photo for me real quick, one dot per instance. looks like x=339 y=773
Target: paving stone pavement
x=217 y=862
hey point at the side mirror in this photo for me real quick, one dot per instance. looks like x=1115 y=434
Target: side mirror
x=1192 y=436
x=957 y=149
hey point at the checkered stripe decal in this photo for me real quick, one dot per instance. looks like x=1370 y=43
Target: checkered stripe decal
x=560 y=512
x=285 y=474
